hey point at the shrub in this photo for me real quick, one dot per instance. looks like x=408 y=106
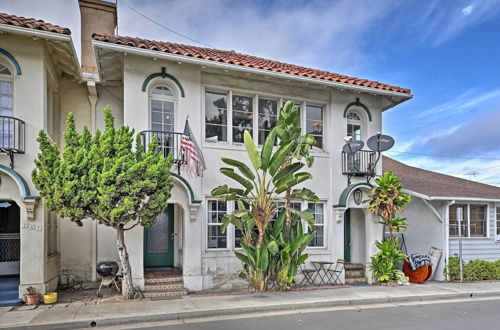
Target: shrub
x=473 y=270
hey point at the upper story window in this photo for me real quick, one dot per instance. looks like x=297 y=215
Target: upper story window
x=215 y=117
x=228 y=115
x=162 y=104
x=268 y=115
x=6 y=91
x=242 y=117
x=314 y=124
x=354 y=125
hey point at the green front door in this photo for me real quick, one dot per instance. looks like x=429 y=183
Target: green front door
x=159 y=240
x=347 y=235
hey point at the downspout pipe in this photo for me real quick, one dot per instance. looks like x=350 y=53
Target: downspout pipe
x=446 y=234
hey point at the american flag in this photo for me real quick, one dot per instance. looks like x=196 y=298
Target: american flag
x=192 y=153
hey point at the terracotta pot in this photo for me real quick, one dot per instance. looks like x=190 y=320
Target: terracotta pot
x=33 y=299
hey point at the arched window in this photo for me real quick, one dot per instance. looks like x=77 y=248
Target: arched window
x=162 y=106
x=354 y=125
x=6 y=91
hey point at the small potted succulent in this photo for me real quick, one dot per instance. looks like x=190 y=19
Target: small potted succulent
x=33 y=297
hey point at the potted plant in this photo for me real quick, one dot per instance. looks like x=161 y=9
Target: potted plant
x=33 y=297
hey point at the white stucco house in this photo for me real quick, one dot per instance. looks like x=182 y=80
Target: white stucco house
x=153 y=86
x=432 y=214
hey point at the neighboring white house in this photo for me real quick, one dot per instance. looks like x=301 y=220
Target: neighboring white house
x=153 y=87
x=432 y=214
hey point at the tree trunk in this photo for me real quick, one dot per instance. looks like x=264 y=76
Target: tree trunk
x=288 y=216
x=127 y=286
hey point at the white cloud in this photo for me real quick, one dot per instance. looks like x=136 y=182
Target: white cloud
x=468 y=10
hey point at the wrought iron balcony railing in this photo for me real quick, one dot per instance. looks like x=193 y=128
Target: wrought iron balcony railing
x=361 y=163
x=11 y=137
x=168 y=143
x=11 y=134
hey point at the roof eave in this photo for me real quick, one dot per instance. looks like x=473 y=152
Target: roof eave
x=45 y=35
x=180 y=58
x=464 y=199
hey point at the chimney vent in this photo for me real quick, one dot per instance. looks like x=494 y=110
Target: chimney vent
x=96 y=16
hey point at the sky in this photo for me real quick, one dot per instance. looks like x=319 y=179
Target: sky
x=446 y=51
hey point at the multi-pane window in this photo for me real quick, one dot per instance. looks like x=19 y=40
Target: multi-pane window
x=318 y=213
x=233 y=236
x=215 y=212
x=498 y=220
x=268 y=115
x=228 y=115
x=162 y=102
x=242 y=117
x=6 y=107
x=314 y=124
x=453 y=216
x=477 y=221
x=354 y=125
x=474 y=220
x=215 y=116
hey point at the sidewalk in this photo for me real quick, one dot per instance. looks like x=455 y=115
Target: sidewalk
x=73 y=316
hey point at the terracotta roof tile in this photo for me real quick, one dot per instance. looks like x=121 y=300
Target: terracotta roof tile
x=239 y=59
x=32 y=23
x=438 y=185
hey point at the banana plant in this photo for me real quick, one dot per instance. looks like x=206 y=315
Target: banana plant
x=259 y=193
x=262 y=187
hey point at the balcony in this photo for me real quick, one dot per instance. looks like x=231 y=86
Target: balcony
x=11 y=137
x=361 y=163
x=168 y=143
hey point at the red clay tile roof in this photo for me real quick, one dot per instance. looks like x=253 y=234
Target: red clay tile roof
x=435 y=184
x=32 y=23
x=235 y=58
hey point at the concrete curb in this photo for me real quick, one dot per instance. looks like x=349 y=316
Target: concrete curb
x=98 y=322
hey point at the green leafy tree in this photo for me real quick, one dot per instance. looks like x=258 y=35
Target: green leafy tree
x=386 y=200
x=104 y=178
x=267 y=255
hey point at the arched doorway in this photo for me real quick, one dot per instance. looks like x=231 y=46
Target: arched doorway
x=10 y=242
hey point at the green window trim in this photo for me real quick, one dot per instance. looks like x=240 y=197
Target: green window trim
x=12 y=59
x=163 y=74
x=357 y=103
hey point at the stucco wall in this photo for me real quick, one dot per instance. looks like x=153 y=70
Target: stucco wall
x=424 y=231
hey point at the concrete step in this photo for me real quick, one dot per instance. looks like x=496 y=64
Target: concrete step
x=160 y=286
x=163 y=279
x=351 y=266
x=356 y=280
x=354 y=273
x=165 y=293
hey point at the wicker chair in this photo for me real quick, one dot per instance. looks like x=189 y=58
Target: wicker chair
x=420 y=275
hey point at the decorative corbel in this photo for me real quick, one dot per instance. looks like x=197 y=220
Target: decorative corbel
x=339 y=214
x=30 y=205
x=193 y=212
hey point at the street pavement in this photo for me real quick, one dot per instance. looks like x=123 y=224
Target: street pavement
x=481 y=314
x=79 y=315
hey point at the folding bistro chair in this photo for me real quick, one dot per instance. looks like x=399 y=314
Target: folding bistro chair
x=307 y=278
x=337 y=271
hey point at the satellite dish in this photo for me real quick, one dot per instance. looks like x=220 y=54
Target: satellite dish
x=353 y=146
x=380 y=142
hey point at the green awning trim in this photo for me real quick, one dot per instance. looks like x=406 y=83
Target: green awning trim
x=344 y=197
x=357 y=103
x=188 y=187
